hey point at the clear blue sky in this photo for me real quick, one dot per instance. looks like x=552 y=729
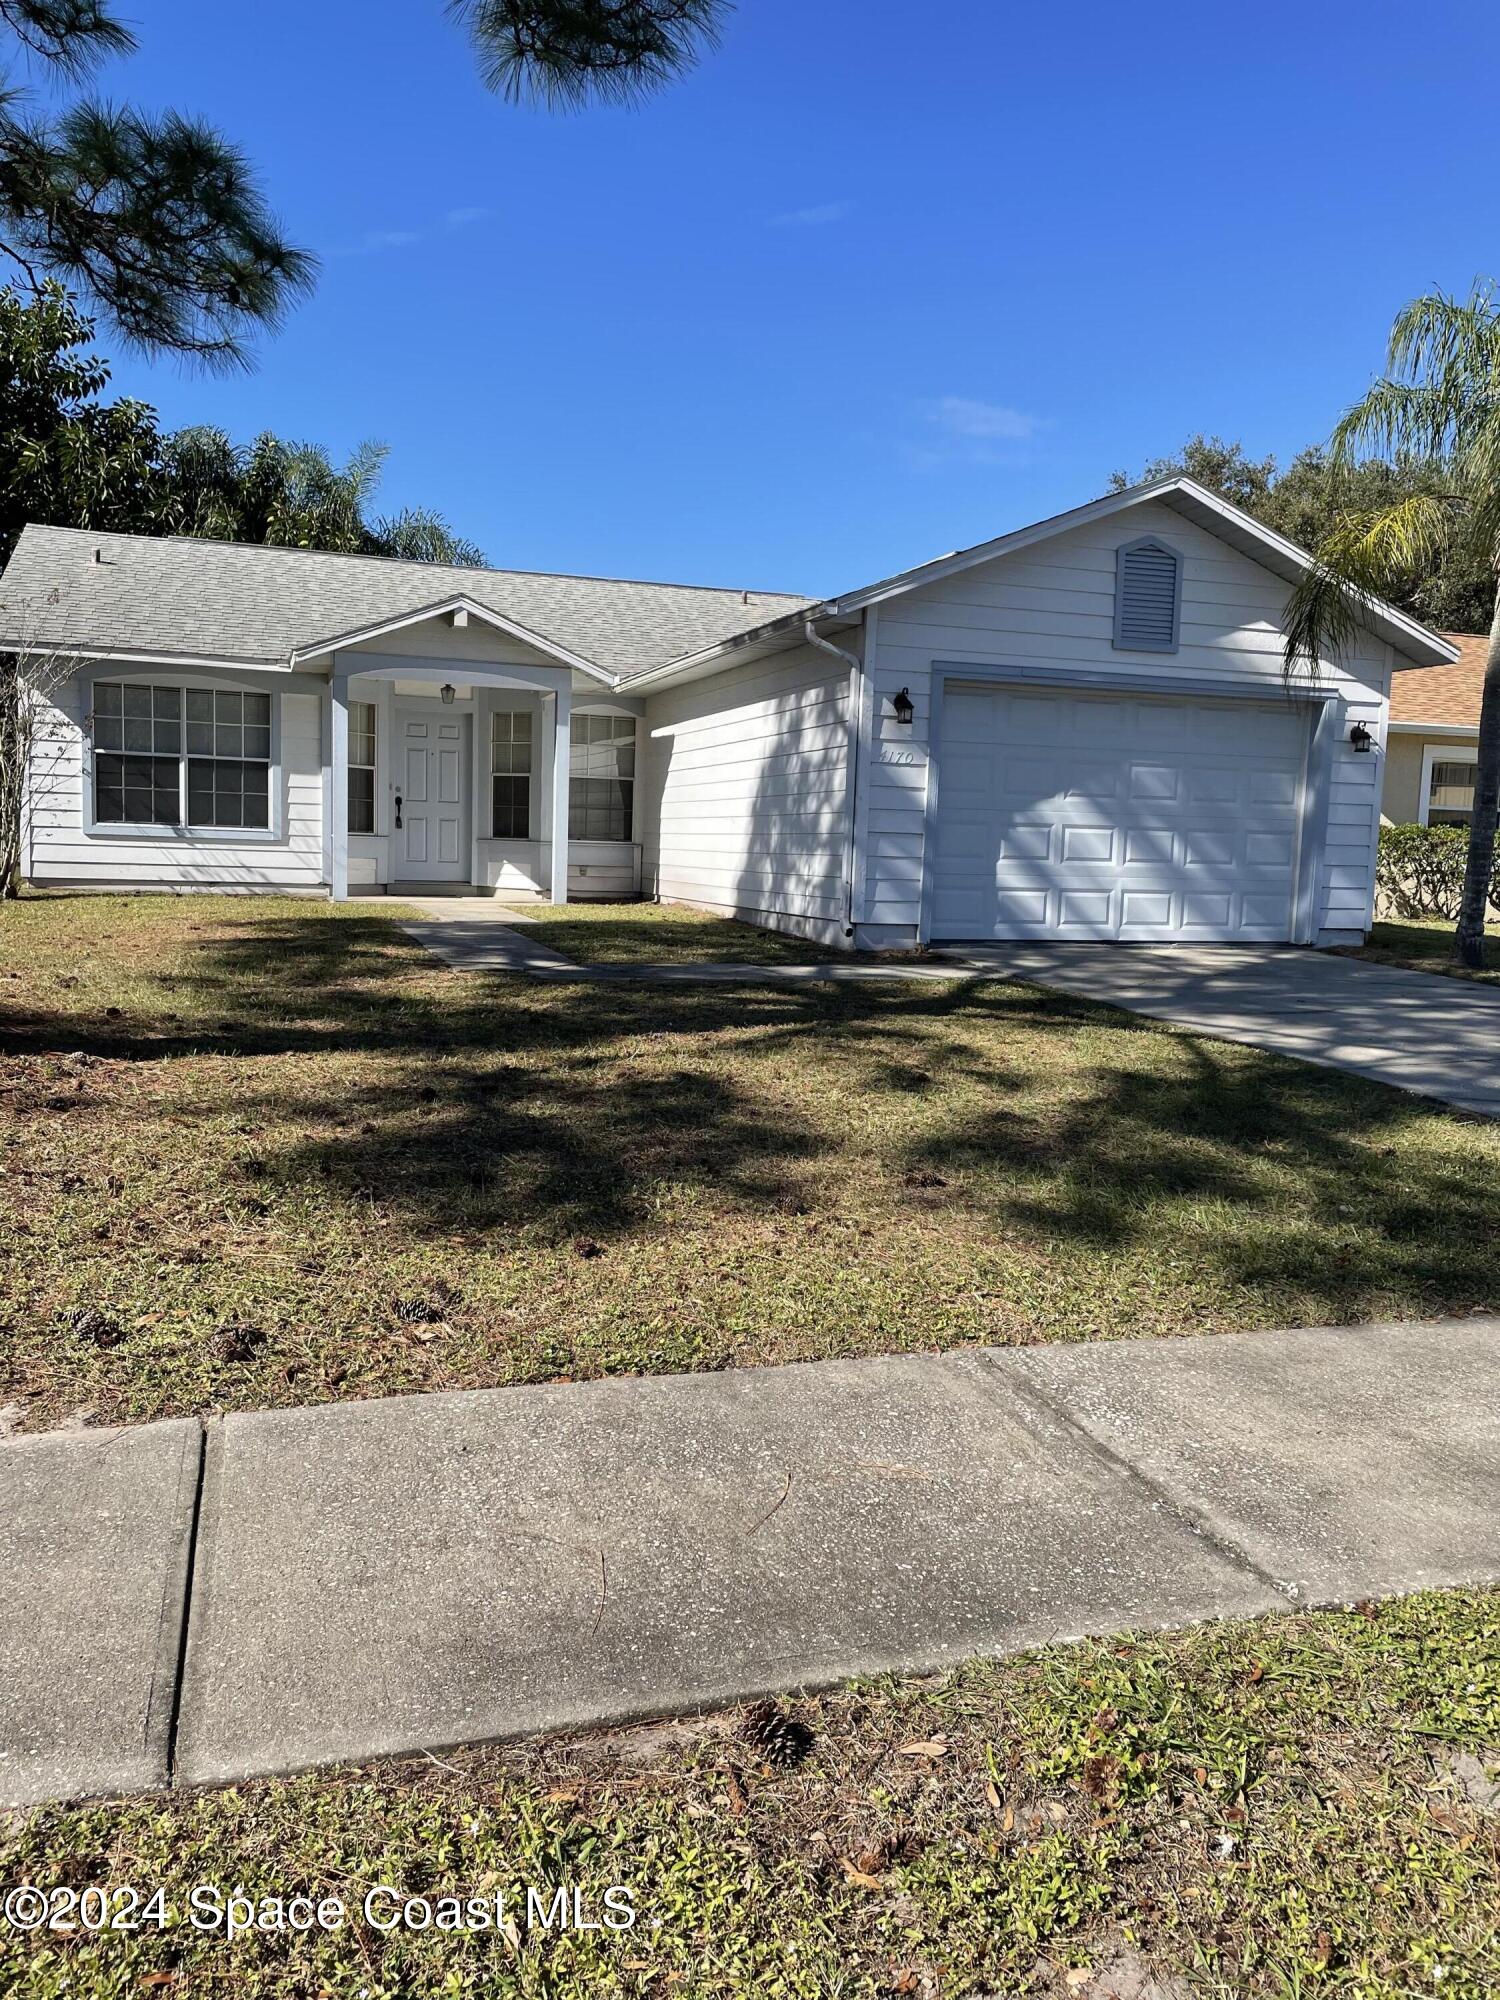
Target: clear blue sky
x=877 y=281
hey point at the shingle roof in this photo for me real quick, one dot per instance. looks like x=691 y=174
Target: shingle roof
x=1443 y=695
x=256 y=605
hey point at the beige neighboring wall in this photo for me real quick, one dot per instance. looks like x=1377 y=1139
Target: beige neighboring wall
x=1401 y=786
x=1430 y=707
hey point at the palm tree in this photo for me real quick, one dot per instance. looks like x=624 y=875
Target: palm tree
x=292 y=496
x=1439 y=402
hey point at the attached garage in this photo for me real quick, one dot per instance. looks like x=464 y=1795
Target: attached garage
x=1109 y=815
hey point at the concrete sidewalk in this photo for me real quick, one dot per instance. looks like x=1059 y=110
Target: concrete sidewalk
x=391 y=1576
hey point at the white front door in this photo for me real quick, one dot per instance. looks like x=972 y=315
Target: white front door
x=432 y=767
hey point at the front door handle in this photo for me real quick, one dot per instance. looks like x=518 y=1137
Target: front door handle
x=398 y=812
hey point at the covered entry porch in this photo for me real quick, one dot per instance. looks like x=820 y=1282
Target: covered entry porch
x=449 y=775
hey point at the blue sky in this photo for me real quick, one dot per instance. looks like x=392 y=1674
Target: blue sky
x=877 y=281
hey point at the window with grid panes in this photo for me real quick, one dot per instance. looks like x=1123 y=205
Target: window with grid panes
x=361 y=767
x=510 y=769
x=168 y=756
x=601 y=777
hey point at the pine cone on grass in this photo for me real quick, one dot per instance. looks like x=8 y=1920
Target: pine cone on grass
x=91 y=1324
x=776 y=1734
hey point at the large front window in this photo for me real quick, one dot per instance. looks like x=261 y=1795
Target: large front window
x=601 y=777
x=170 y=756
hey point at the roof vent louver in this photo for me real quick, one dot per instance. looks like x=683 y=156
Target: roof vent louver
x=1148 y=596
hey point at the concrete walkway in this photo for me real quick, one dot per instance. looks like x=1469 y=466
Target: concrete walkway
x=480 y=934
x=375 y=1577
x=1420 y=1031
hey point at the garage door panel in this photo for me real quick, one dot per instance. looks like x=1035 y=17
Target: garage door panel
x=1088 y=843
x=1025 y=843
x=1087 y=816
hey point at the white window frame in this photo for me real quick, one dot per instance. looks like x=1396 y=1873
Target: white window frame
x=1441 y=753
x=619 y=713
x=139 y=673
x=373 y=767
x=490 y=774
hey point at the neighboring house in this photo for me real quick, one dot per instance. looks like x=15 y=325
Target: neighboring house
x=1079 y=730
x=1434 y=739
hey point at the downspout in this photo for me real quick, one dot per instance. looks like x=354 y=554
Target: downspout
x=856 y=680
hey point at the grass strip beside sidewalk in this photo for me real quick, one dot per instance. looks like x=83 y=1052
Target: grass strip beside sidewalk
x=1290 y=1805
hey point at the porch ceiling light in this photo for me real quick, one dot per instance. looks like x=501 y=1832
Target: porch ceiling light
x=447 y=691
x=903 y=705
x=1361 y=738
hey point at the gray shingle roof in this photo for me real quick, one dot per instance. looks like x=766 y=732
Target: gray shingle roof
x=240 y=602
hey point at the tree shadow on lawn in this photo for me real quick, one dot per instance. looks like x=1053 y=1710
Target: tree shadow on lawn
x=504 y=1105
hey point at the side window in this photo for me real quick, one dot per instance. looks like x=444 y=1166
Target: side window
x=601 y=777
x=1148 y=597
x=362 y=725
x=510 y=774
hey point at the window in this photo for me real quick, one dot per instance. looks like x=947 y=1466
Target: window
x=361 y=767
x=137 y=755
x=510 y=768
x=169 y=756
x=1148 y=597
x=601 y=777
x=1450 y=792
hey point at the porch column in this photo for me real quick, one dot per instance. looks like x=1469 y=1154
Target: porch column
x=562 y=735
x=338 y=788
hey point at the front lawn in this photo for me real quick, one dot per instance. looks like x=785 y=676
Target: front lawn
x=1287 y=1806
x=661 y=934
x=259 y=1153
x=1424 y=946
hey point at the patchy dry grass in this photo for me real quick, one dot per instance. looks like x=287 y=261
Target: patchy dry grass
x=661 y=934
x=281 y=1155
x=1423 y=947
x=1281 y=1807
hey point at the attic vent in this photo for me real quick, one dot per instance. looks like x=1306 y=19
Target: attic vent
x=1148 y=596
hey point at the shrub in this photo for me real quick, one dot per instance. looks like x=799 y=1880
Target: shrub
x=1421 y=870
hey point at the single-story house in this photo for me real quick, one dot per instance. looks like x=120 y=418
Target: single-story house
x=1434 y=738
x=1077 y=730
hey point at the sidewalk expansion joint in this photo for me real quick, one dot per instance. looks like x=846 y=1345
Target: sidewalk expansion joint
x=1041 y=1402
x=180 y=1667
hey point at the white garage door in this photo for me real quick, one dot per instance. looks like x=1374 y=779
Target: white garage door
x=1116 y=816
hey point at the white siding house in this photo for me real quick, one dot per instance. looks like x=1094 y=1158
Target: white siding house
x=1079 y=730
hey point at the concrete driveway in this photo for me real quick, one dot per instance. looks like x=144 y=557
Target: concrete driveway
x=1420 y=1031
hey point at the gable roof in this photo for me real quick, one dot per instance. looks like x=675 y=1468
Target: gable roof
x=243 y=603
x=1442 y=697
x=1185 y=496
x=238 y=603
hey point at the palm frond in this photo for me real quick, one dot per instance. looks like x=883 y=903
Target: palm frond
x=1365 y=556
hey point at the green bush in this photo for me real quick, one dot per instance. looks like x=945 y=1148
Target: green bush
x=1421 y=870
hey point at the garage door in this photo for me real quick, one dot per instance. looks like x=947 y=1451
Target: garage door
x=1115 y=816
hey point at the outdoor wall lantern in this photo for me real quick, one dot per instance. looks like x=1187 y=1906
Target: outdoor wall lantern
x=903 y=705
x=1361 y=738
x=447 y=692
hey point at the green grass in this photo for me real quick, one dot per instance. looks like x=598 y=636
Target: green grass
x=287 y=1156
x=661 y=934
x=1424 y=947
x=1274 y=1808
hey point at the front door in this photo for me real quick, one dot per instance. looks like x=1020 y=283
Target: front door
x=432 y=793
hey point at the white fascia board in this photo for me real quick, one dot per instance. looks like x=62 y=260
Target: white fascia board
x=1464 y=729
x=68 y=649
x=1412 y=640
x=340 y=641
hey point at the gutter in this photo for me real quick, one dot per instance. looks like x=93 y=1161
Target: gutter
x=856 y=690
